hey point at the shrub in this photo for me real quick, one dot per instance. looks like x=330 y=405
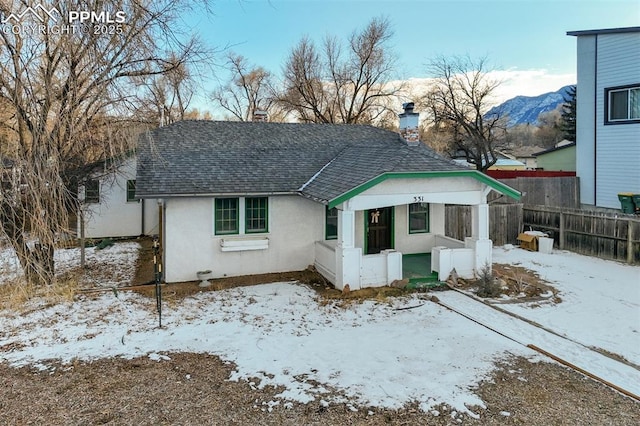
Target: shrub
x=488 y=285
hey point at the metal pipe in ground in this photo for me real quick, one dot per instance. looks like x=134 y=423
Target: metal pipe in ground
x=542 y=351
x=585 y=372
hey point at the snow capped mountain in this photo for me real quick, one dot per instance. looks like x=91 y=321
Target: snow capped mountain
x=526 y=109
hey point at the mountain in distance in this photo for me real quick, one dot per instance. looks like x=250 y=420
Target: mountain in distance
x=526 y=109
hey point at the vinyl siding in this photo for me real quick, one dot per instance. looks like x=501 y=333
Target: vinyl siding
x=585 y=112
x=618 y=146
x=607 y=156
x=561 y=160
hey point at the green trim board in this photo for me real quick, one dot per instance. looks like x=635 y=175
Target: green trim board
x=256 y=215
x=474 y=174
x=392 y=225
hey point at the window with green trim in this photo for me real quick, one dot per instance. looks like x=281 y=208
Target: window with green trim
x=256 y=215
x=92 y=191
x=418 y=218
x=131 y=191
x=331 y=223
x=226 y=216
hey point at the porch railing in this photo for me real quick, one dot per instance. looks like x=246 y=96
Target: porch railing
x=326 y=259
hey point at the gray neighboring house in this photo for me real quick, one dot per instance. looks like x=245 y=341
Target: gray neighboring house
x=360 y=203
x=608 y=114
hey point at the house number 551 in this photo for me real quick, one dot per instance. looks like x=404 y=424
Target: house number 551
x=418 y=199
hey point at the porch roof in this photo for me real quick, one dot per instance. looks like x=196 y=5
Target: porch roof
x=473 y=174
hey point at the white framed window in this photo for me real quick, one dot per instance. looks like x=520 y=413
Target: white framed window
x=92 y=191
x=622 y=104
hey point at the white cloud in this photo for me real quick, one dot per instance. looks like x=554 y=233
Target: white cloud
x=514 y=83
x=529 y=82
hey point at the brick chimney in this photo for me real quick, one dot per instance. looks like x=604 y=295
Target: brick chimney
x=259 y=115
x=409 y=124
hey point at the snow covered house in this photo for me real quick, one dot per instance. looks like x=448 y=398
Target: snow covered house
x=110 y=208
x=365 y=205
x=608 y=114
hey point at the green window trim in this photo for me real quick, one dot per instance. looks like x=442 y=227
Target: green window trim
x=92 y=191
x=131 y=191
x=256 y=215
x=330 y=223
x=418 y=218
x=227 y=217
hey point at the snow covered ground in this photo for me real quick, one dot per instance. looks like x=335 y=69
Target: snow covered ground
x=600 y=299
x=375 y=353
x=118 y=260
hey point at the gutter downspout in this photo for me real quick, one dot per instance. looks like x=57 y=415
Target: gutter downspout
x=595 y=125
x=142 y=217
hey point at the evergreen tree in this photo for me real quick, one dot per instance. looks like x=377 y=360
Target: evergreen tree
x=568 y=119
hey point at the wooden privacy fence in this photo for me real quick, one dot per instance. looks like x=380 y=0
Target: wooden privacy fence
x=559 y=191
x=505 y=222
x=605 y=235
x=601 y=234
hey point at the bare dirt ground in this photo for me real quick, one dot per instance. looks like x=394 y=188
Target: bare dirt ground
x=193 y=389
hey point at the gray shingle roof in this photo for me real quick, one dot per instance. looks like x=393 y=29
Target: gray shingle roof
x=320 y=161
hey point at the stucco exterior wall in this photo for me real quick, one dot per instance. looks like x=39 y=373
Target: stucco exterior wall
x=114 y=216
x=404 y=241
x=295 y=223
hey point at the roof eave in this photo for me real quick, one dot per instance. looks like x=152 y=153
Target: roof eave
x=474 y=174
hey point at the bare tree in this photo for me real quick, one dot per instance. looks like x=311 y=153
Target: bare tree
x=69 y=87
x=459 y=100
x=168 y=96
x=549 y=130
x=249 y=89
x=341 y=84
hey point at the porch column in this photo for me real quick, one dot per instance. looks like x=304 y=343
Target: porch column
x=480 y=222
x=346 y=228
x=479 y=240
x=348 y=257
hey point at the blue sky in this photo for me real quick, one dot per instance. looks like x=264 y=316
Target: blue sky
x=519 y=36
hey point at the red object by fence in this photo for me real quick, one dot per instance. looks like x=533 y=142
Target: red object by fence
x=512 y=174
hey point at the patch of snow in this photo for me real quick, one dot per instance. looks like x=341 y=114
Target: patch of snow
x=371 y=353
x=600 y=299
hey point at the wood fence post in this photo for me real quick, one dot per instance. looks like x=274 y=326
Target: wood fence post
x=562 y=236
x=629 y=241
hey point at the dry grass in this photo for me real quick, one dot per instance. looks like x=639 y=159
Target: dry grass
x=15 y=293
x=521 y=284
x=193 y=389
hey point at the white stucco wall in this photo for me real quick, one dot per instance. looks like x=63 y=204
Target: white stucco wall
x=295 y=224
x=114 y=216
x=437 y=192
x=395 y=192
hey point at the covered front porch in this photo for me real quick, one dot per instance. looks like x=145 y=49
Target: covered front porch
x=388 y=266
x=394 y=229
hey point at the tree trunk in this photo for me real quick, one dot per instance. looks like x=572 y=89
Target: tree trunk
x=37 y=262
